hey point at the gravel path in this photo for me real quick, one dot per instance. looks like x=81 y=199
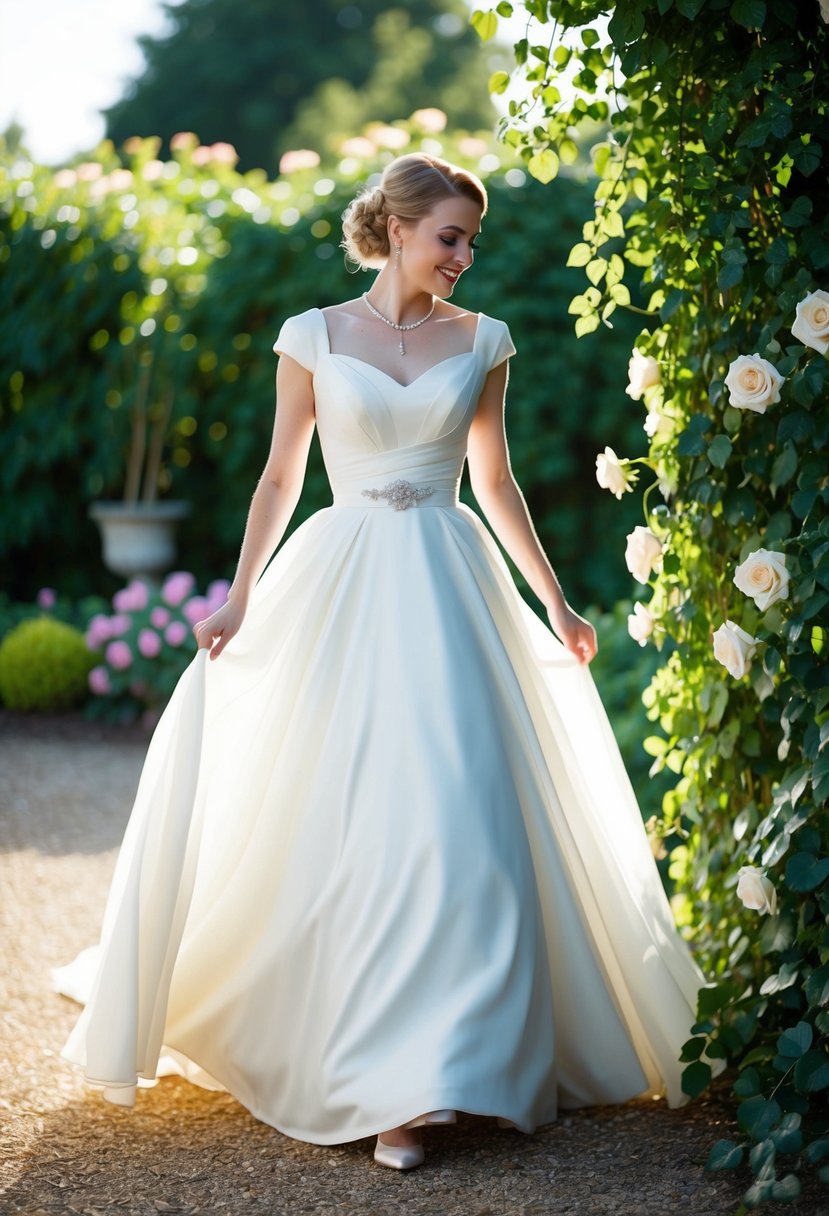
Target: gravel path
x=65 y=792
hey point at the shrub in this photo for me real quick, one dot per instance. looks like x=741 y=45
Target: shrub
x=43 y=666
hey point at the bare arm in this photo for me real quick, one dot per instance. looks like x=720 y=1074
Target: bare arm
x=273 y=502
x=503 y=504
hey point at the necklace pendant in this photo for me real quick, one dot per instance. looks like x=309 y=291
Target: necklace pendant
x=402 y=347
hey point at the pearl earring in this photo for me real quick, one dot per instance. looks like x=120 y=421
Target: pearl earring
x=398 y=249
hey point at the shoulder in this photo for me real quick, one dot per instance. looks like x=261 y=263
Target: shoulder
x=494 y=340
x=301 y=336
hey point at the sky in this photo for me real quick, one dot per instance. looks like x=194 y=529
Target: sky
x=63 y=61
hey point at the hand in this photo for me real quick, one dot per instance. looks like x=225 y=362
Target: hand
x=574 y=632
x=214 y=632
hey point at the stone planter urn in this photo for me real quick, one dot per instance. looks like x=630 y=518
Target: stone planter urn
x=139 y=538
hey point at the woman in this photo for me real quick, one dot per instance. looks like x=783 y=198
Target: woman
x=385 y=863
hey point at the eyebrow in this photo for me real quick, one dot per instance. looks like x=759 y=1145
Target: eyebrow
x=456 y=228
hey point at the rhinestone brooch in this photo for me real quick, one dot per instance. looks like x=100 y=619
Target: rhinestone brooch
x=400 y=494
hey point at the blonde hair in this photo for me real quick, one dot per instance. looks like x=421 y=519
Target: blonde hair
x=409 y=188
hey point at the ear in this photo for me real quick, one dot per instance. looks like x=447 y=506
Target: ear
x=395 y=230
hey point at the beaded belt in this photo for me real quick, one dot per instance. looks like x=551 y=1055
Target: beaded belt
x=400 y=494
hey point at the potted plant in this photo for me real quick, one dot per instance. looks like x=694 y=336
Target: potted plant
x=144 y=373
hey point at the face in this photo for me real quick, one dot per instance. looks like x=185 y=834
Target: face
x=441 y=246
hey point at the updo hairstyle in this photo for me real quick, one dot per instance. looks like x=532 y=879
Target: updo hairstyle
x=409 y=188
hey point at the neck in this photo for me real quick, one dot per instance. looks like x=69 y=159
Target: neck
x=398 y=300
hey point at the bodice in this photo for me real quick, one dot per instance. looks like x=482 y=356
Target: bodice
x=374 y=431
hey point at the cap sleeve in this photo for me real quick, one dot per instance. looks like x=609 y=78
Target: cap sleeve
x=299 y=338
x=497 y=342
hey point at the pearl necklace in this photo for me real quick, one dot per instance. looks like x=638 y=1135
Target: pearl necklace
x=394 y=324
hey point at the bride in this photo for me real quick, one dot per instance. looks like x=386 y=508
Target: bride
x=384 y=863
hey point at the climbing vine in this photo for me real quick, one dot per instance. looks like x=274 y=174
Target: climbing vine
x=705 y=121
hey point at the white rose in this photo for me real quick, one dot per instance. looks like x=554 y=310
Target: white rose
x=640 y=624
x=811 y=326
x=656 y=425
x=756 y=891
x=753 y=383
x=611 y=475
x=734 y=648
x=642 y=553
x=824 y=10
x=643 y=372
x=763 y=576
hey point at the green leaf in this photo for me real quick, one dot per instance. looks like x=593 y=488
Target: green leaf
x=498 y=82
x=695 y=1078
x=485 y=24
x=719 y=450
x=544 y=165
x=757 y=1116
x=504 y=8
x=787 y=1188
x=795 y=1041
x=747 y=1084
x=788 y=1138
x=724 y=1155
x=811 y=1072
x=817 y=986
x=784 y=467
x=580 y=255
x=730 y=275
x=749 y=13
x=804 y=871
x=690 y=8
x=586 y=325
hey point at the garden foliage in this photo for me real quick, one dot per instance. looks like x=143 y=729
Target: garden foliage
x=44 y=664
x=141 y=298
x=714 y=179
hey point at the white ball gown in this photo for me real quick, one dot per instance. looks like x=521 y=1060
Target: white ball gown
x=384 y=856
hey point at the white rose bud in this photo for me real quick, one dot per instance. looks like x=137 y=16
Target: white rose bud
x=640 y=624
x=611 y=475
x=734 y=648
x=756 y=891
x=763 y=576
x=643 y=372
x=811 y=326
x=656 y=425
x=643 y=553
x=753 y=383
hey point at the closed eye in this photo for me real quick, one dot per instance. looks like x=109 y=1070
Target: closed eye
x=452 y=241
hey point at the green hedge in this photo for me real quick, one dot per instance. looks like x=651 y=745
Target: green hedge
x=213 y=262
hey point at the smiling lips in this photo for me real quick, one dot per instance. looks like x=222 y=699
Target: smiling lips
x=451 y=275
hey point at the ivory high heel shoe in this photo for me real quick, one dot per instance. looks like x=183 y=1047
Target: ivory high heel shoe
x=403 y=1157
x=433 y=1116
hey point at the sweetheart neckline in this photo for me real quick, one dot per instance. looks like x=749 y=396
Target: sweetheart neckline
x=464 y=354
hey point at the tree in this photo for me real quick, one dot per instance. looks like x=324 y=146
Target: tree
x=266 y=77
x=714 y=180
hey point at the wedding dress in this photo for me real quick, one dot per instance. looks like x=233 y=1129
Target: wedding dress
x=384 y=856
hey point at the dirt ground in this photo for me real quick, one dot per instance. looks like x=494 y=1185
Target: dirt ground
x=66 y=789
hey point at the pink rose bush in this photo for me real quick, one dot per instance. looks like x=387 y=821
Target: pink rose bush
x=146 y=642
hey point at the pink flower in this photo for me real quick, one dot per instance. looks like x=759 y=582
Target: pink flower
x=46 y=597
x=196 y=609
x=99 y=681
x=132 y=598
x=159 y=617
x=175 y=633
x=118 y=655
x=217 y=594
x=149 y=643
x=177 y=587
x=119 y=623
x=98 y=631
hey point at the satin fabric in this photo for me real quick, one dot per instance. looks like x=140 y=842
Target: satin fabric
x=384 y=856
